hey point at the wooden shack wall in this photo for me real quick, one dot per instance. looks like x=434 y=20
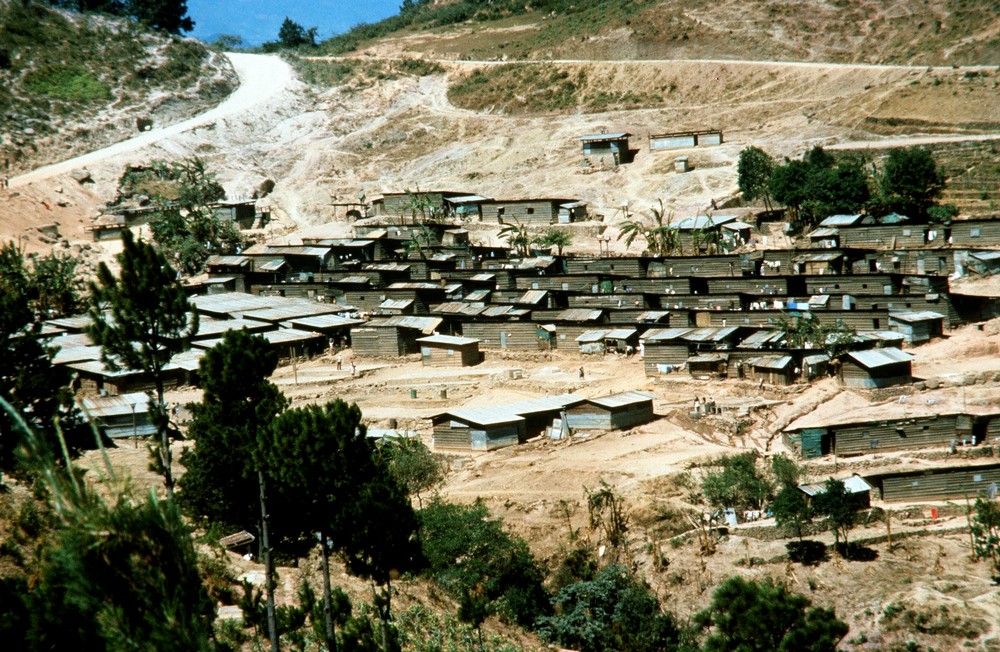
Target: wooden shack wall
x=918 y=432
x=594 y=417
x=654 y=354
x=963 y=233
x=854 y=375
x=513 y=336
x=377 y=342
x=527 y=213
x=884 y=237
x=439 y=355
x=950 y=484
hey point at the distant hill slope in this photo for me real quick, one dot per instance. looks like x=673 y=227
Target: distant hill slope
x=933 y=32
x=71 y=83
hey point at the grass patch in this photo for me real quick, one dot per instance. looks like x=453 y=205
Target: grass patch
x=68 y=83
x=360 y=72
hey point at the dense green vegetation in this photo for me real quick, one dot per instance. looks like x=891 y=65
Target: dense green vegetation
x=908 y=182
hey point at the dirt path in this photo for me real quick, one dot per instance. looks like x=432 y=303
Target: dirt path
x=261 y=78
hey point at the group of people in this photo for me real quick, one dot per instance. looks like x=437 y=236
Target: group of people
x=704 y=405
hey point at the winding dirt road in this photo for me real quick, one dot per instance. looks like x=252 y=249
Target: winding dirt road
x=261 y=78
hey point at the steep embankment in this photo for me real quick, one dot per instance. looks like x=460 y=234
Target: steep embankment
x=72 y=83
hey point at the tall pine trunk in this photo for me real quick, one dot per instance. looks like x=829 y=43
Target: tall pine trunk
x=331 y=638
x=272 y=623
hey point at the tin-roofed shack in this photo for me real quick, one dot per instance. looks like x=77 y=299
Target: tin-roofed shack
x=943 y=483
x=613 y=146
x=392 y=336
x=876 y=368
x=615 y=412
x=477 y=429
x=449 y=351
x=127 y=415
x=917 y=326
x=857 y=487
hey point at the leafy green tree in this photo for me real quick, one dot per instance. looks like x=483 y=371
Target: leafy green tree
x=467 y=552
x=554 y=238
x=168 y=15
x=984 y=523
x=754 y=175
x=747 y=616
x=786 y=471
x=738 y=483
x=839 y=508
x=183 y=222
x=293 y=35
x=56 y=291
x=413 y=465
x=791 y=509
x=141 y=320
x=809 y=333
x=613 y=611
x=28 y=380
x=225 y=481
x=911 y=182
x=788 y=186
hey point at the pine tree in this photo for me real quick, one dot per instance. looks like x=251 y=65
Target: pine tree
x=224 y=482
x=146 y=324
x=28 y=379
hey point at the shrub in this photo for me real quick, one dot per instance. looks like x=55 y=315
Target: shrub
x=69 y=83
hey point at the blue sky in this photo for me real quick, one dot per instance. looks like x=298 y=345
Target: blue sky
x=258 y=21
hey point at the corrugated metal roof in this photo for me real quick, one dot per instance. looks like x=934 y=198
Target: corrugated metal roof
x=272 y=265
x=426 y=325
x=297 y=250
x=590 y=138
x=879 y=357
x=622 y=399
x=815 y=359
x=910 y=316
x=230 y=261
x=478 y=295
x=985 y=255
x=710 y=334
x=762 y=338
x=737 y=226
x=456 y=308
x=841 y=220
x=827 y=232
x=591 y=336
x=466 y=199
x=620 y=333
x=504 y=311
x=708 y=357
x=291 y=311
x=353 y=280
x=652 y=316
x=854 y=485
x=539 y=262
x=414 y=286
x=779 y=362
x=75 y=323
x=285 y=335
x=573 y=204
x=235 y=302
x=483 y=277
x=543 y=404
x=579 y=314
x=99 y=407
x=325 y=321
x=664 y=334
x=395 y=304
x=388 y=267
x=485 y=416
x=819 y=300
x=827 y=257
x=212 y=327
x=448 y=340
x=71 y=354
x=697 y=222
x=532 y=297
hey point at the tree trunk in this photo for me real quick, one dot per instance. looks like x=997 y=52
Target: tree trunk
x=331 y=639
x=272 y=624
x=163 y=423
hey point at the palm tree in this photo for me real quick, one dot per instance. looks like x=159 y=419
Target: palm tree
x=661 y=238
x=516 y=236
x=554 y=238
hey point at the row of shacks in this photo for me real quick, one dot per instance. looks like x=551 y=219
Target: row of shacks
x=496 y=426
x=939 y=483
x=294 y=328
x=550 y=302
